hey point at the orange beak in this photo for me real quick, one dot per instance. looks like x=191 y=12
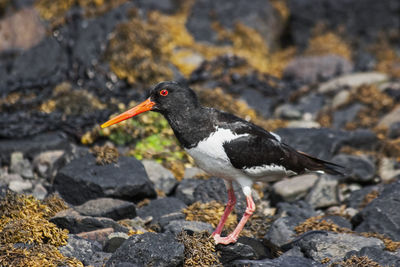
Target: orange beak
x=142 y=107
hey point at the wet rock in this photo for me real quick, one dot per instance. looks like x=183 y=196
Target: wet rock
x=352 y=80
x=160 y=207
x=334 y=246
x=82 y=179
x=114 y=241
x=278 y=262
x=380 y=256
x=260 y=15
x=185 y=190
x=47 y=163
x=76 y=223
x=389 y=169
x=357 y=168
x=324 y=143
x=312 y=69
x=256 y=100
x=345 y=115
x=82 y=250
x=39 y=191
x=382 y=215
x=33 y=145
x=371 y=20
x=21 y=30
x=390 y=118
x=162 y=178
x=21 y=166
x=394 y=130
x=244 y=248
x=20 y=186
x=115 y=209
x=324 y=192
x=177 y=226
x=148 y=249
x=294 y=188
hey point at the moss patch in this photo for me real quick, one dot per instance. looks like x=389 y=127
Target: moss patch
x=199 y=249
x=355 y=261
x=105 y=154
x=24 y=221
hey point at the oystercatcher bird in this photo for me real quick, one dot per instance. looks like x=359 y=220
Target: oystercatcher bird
x=226 y=146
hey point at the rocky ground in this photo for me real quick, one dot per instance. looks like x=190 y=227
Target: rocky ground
x=323 y=77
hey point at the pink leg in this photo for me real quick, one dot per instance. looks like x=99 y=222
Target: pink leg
x=228 y=209
x=232 y=238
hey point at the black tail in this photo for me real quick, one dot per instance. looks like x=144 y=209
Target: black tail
x=315 y=164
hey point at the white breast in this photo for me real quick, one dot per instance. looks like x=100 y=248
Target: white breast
x=210 y=155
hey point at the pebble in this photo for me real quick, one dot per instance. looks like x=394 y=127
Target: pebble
x=294 y=188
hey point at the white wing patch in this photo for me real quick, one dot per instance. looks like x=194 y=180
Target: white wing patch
x=276 y=136
x=272 y=171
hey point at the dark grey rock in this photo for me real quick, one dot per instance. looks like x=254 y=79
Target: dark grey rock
x=324 y=143
x=76 y=223
x=339 y=220
x=357 y=168
x=300 y=210
x=82 y=179
x=164 y=220
x=324 y=192
x=345 y=115
x=384 y=258
x=282 y=261
x=244 y=248
x=394 y=130
x=260 y=15
x=80 y=249
x=356 y=199
x=114 y=241
x=160 y=207
x=32 y=146
x=256 y=100
x=162 y=178
x=185 y=190
x=312 y=69
x=149 y=249
x=115 y=209
x=382 y=215
x=178 y=226
x=281 y=231
x=168 y=6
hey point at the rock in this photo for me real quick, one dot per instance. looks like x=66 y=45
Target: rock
x=256 y=100
x=300 y=210
x=99 y=235
x=162 y=178
x=21 y=166
x=159 y=207
x=82 y=179
x=338 y=220
x=340 y=99
x=39 y=191
x=394 y=130
x=185 y=190
x=294 y=188
x=244 y=248
x=334 y=246
x=20 y=186
x=312 y=69
x=282 y=261
x=357 y=168
x=389 y=169
x=390 y=118
x=310 y=105
x=115 y=209
x=260 y=15
x=352 y=80
x=357 y=198
x=76 y=223
x=114 y=241
x=288 y=112
x=303 y=124
x=148 y=249
x=22 y=30
x=177 y=226
x=7 y=178
x=380 y=256
x=47 y=163
x=281 y=231
x=193 y=172
x=32 y=145
x=324 y=192
x=345 y=115
x=324 y=143
x=382 y=214
x=81 y=249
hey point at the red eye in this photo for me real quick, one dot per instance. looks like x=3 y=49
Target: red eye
x=164 y=92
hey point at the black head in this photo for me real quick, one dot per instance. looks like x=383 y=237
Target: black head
x=173 y=97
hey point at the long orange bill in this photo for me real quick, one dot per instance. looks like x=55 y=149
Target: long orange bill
x=142 y=107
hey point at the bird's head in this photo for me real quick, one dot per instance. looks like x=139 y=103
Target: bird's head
x=166 y=98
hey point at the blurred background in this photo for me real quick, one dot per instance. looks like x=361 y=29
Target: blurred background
x=67 y=65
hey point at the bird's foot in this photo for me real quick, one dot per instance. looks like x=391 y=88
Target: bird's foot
x=224 y=240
